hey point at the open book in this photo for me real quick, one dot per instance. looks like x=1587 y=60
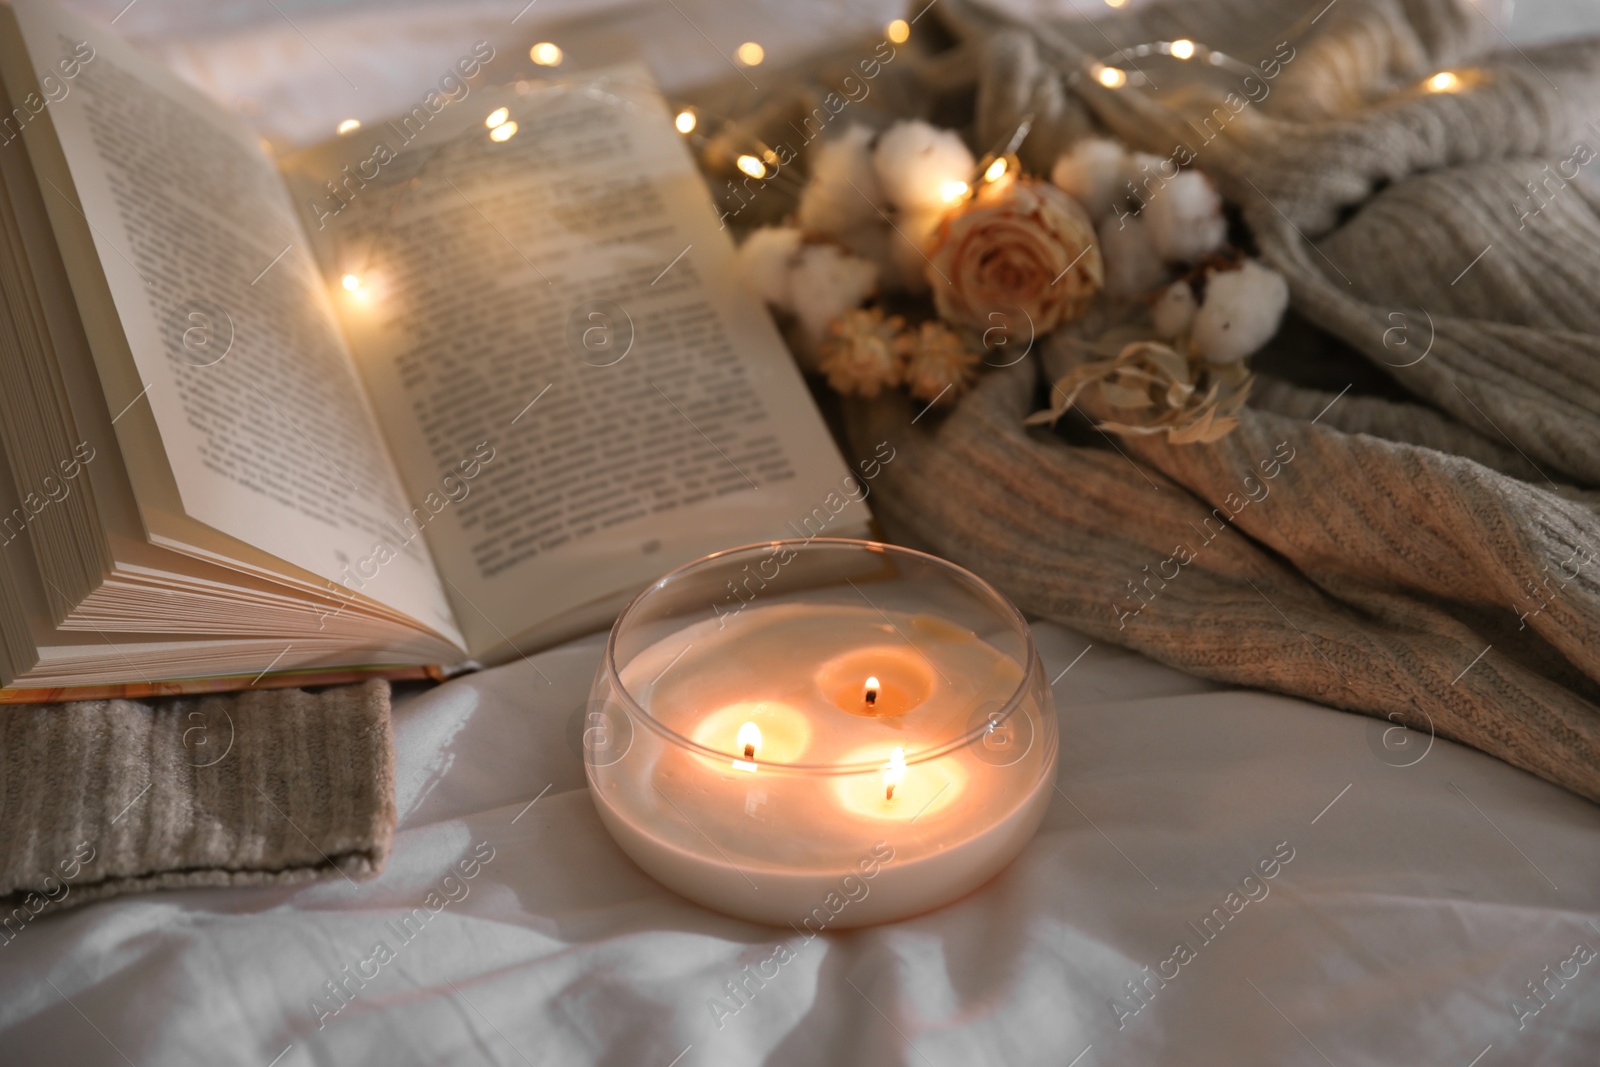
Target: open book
x=433 y=394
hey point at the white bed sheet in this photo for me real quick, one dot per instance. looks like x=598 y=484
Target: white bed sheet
x=1413 y=911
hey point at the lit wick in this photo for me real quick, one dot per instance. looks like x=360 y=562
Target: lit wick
x=749 y=740
x=896 y=771
x=872 y=691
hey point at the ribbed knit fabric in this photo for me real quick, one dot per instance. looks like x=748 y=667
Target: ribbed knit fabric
x=269 y=787
x=1431 y=552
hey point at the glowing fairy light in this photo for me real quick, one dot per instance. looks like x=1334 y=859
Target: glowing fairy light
x=1111 y=77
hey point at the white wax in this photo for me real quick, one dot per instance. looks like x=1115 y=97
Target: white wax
x=774 y=844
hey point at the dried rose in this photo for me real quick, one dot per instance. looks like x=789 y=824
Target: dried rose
x=1020 y=244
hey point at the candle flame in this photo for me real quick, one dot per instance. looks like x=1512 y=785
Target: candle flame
x=894 y=772
x=871 y=694
x=749 y=742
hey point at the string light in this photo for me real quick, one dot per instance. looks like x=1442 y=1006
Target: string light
x=503 y=132
x=1115 y=3
x=898 y=31
x=348 y=125
x=1444 y=82
x=1183 y=48
x=497 y=116
x=996 y=171
x=751 y=54
x=950 y=192
x=353 y=286
x=545 y=54
x=1111 y=77
x=752 y=166
x=685 y=121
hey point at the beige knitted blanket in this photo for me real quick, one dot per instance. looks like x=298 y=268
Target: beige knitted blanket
x=1405 y=523
x=263 y=788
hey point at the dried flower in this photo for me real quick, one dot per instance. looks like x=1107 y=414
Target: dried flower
x=865 y=352
x=1020 y=245
x=940 y=363
x=1155 y=389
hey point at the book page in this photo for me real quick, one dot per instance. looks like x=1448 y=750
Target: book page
x=237 y=403
x=549 y=321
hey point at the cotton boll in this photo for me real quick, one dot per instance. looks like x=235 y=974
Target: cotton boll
x=766 y=262
x=906 y=261
x=828 y=281
x=1143 y=177
x=1186 y=218
x=1174 y=311
x=1241 y=312
x=1091 y=173
x=916 y=163
x=843 y=191
x=1132 y=264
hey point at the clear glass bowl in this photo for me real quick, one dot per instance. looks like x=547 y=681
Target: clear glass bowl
x=821 y=733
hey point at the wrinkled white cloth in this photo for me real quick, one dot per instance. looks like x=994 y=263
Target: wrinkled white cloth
x=1411 y=915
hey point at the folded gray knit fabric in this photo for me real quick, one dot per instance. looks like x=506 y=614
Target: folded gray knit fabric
x=1424 y=548
x=261 y=788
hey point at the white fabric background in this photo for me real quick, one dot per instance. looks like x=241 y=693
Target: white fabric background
x=1414 y=910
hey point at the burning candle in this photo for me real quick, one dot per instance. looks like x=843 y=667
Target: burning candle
x=882 y=697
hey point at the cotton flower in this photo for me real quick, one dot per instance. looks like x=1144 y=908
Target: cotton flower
x=1092 y=174
x=864 y=352
x=1133 y=266
x=1174 y=311
x=1025 y=246
x=826 y=282
x=916 y=162
x=1185 y=217
x=843 y=192
x=766 y=263
x=906 y=250
x=1240 y=313
x=940 y=364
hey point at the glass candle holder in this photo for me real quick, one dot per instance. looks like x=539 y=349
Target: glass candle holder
x=821 y=733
